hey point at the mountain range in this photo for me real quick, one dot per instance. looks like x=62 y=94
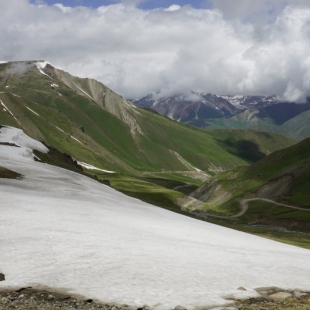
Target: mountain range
x=97 y=126
x=264 y=113
x=90 y=129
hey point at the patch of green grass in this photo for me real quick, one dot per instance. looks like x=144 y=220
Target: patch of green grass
x=292 y=237
x=289 y=237
x=146 y=191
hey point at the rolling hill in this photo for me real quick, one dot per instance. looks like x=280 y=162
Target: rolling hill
x=273 y=191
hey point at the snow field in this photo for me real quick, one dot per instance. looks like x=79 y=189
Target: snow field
x=63 y=230
x=91 y=167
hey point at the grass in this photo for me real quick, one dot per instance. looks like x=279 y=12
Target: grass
x=289 y=237
x=271 y=211
x=146 y=191
x=296 y=238
x=292 y=163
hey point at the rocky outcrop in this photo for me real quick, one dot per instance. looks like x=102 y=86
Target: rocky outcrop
x=103 y=96
x=30 y=299
x=275 y=187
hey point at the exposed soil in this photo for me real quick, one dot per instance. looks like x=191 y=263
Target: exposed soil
x=32 y=299
x=9 y=174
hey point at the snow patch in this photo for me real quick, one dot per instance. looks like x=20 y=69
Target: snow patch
x=243 y=102
x=6 y=108
x=154 y=103
x=18 y=137
x=75 y=139
x=32 y=111
x=70 y=136
x=84 y=92
x=41 y=66
x=59 y=129
x=90 y=167
x=187 y=164
x=62 y=229
x=54 y=85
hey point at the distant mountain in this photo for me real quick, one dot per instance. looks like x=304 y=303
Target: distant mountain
x=265 y=113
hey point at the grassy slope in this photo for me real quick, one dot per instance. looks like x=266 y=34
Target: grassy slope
x=247 y=182
x=298 y=127
x=107 y=141
x=294 y=160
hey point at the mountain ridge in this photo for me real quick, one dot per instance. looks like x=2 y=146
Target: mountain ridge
x=92 y=121
x=210 y=111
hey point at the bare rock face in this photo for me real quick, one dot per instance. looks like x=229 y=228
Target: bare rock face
x=179 y=308
x=2 y=277
x=281 y=296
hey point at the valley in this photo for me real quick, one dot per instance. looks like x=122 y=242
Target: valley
x=140 y=153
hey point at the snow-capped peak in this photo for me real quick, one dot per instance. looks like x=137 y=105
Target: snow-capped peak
x=41 y=66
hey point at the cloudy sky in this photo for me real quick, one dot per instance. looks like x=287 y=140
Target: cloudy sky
x=167 y=47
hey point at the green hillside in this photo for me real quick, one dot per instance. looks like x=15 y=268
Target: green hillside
x=269 y=198
x=292 y=164
x=149 y=156
x=297 y=127
x=272 y=191
x=153 y=158
x=84 y=118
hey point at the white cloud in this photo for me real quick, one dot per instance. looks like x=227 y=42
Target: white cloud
x=172 y=50
x=254 y=11
x=172 y=8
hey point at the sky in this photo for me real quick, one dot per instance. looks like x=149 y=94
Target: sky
x=226 y=47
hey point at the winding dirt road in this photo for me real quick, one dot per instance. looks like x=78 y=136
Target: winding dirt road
x=245 y=207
